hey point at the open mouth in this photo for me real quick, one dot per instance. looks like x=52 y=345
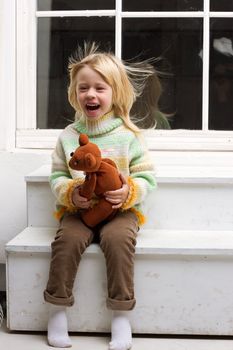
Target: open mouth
x=92 y=107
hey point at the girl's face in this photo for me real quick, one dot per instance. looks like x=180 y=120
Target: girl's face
x=93 y=93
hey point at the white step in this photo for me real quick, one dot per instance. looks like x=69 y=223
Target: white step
x=188 y=198
x=183 y=283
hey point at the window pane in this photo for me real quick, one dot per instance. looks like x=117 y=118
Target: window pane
x=221 y=74
x=221 y=5
x=58 y=38
x=55 y=5
x=179 y=42
x=163 y=5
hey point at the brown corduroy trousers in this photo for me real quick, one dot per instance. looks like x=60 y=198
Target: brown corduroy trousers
x=117 y=239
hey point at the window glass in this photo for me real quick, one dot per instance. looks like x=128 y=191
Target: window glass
x=163 y=5
x=179 y=43
x=56 y=5
x=221 y=74
x=58 y=38
x=221 y=5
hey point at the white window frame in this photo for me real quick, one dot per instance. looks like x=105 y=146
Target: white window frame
x=7 y=74
x=27 y=136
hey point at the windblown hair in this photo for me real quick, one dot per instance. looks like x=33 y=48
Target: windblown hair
x=1 y=315
x=127 y=80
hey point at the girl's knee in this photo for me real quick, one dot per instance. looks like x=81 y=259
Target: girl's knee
x=117 y=239
x=71 y=240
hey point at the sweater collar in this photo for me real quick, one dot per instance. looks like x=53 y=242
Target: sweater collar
x=102 y=125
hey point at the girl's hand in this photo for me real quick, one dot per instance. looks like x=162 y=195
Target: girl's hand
x=118 y=197
x=79 y=201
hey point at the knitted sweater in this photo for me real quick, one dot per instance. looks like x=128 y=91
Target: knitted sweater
x=116 y=142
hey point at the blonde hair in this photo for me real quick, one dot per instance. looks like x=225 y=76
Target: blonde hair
x=127 y=81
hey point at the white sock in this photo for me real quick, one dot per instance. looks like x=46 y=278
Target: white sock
x=58 y=328
x=121 y=331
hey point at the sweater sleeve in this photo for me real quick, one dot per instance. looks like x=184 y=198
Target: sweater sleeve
x=61 y=181
x=141 y=180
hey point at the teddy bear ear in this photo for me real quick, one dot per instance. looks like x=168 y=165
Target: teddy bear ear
x=83 y=139
x=90 y=161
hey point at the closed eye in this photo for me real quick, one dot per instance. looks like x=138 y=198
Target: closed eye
x=82 y=88
x=100 y=88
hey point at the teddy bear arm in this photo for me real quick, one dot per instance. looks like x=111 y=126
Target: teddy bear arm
x=88 y=187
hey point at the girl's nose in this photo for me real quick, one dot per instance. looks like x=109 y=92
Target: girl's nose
x=91 y=93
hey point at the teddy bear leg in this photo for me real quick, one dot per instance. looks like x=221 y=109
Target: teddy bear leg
x=98 y=213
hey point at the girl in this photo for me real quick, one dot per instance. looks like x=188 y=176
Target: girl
x=102 y=90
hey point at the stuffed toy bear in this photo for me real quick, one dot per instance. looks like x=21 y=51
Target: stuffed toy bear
x=101 y=176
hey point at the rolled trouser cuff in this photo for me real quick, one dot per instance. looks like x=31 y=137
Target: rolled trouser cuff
x=120 y=305
x=58 y=301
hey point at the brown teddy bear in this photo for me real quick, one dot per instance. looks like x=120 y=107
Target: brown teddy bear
x=101 y=176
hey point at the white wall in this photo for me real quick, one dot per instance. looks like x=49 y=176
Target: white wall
x=7 y=74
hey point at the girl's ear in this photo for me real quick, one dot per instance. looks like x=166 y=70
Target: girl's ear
x=90 y=161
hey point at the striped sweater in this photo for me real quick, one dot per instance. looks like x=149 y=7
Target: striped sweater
x=115 y=141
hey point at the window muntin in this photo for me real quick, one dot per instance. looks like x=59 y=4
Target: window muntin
x=177 y=40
